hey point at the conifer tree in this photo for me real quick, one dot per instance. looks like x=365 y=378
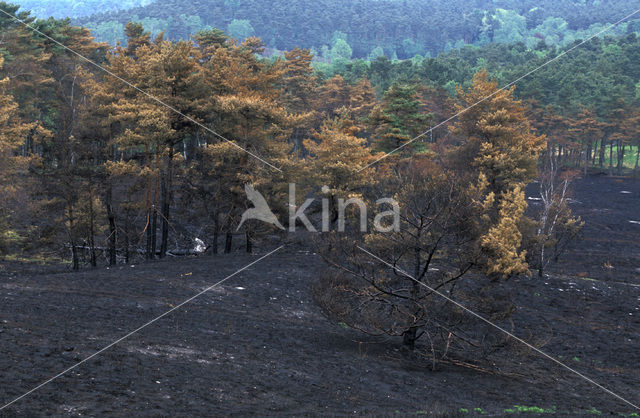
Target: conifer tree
x=337 y=157
x=497 y=141
x=299 y=89
x=12 y=133
x=399 y=118
x=585 y=128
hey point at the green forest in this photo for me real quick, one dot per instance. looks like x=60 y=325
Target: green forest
x=398 y=29
x=60 y=9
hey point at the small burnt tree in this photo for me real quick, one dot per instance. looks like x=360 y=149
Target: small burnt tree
x=431 y=244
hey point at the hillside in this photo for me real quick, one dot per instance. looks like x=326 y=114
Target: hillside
x=395 y=28
x=72 y=8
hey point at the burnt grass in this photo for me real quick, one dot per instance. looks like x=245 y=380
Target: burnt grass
x=258 y=345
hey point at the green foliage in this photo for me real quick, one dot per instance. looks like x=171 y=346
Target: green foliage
x=377 y=52
x=505 y=26
x=597 y=75
x=240 y=29
x=553 y=31
x=521 y=409
x=341 y=49
x=400 y=118
x=74 y=8
x=397 y=26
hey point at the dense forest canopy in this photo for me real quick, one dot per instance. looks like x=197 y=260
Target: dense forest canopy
x=599 y=74
x=73 y=8
x=395 y=28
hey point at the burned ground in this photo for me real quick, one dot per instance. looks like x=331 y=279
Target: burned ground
x=258 y=344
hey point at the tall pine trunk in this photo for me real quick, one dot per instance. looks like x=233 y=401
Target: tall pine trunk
x=216 y=233
x=154 y=230
x=148 y=227
x=127 y=228
x=111 y=217
x=75 y=262
x=621 y=152
x=611 y=158
x=149 y=254
x=249 y=244
x=166 y=203
x=228 y=242
x=603 y=143
x=587 y=156
x=92 y=240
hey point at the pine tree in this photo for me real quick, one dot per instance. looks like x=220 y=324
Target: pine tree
x=585 y=129
x=498 y=142
x=399 y=118
x=27 y=57
x=337 y=156
x=67 y=184
x=496 y=134
x=12 y=133
x=299 y=88
x=333 y=94
x=298 y=81
x=503 y=240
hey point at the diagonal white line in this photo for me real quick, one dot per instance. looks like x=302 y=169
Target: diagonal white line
x=149 y=95
x=501 y=89
x=497 y=327
x=140 y=328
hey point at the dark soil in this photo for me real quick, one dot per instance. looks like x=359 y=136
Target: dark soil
x=257 y=345
x=609 y=248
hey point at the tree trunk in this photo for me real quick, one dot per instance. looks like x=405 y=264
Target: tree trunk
x=111 y=216
x=587 y=156
x=637 y=164
x=601 y=152
x=611 y=158
x=587 y=153
x=75 y=263
x=112 y=225
x=92 y=244
x=216 y=235
x=126 y=239
x=248 y=243
x=154 y=213
x=149 y=239
x=621 y=152
x=154 y=226
x=228 y=243
x=166 y=203
x=411 y=335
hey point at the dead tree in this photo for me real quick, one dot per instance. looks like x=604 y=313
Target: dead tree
x=555 y=224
